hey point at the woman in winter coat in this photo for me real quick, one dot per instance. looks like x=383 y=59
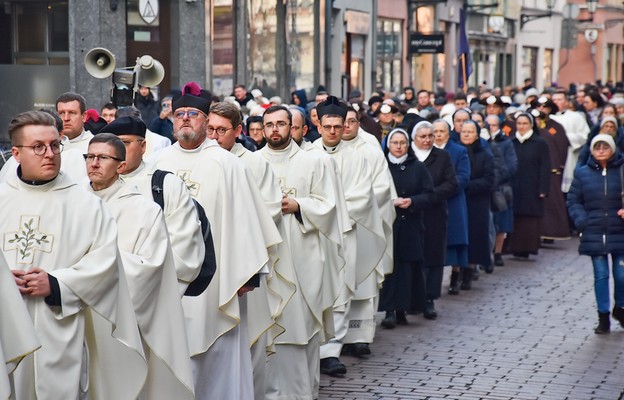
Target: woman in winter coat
x=404 y=289
x=595 y=206
x=478 y=194
x=531 y=185
x=440 y=167
x=505 y=166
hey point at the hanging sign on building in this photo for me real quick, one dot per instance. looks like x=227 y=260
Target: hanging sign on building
x=148 y=9
x=420 y=43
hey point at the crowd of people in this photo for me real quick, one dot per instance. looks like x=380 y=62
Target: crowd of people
x=205 y=248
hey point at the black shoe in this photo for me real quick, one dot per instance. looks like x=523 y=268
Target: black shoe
x=618 y=314
x=361 y=349
x=455 y=281
x=475 y=273
x=430 y=311
x=401 y=318
x=521 y=256
x=466 y=283
x=390 y=321
x=498 y=260
x=604 y=324
x=489 y=268
x=332 y=366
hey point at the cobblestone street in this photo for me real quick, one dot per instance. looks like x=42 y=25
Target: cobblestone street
x=524 y=332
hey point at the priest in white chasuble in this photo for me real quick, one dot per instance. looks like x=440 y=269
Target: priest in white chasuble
x=61 y=244
x=356 y=178
x=363 y=306
x=308 y=208
x=183 y=226
x=72 y=107
x=216 y=320
x=17 y=333
x=224 y=126
x=149 y=268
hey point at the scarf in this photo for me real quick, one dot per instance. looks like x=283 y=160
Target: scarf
x=421 y=155
x=525 y=137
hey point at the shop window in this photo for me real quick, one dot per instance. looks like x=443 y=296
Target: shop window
x=34 y=33
x=389 y=49
x=528 y=68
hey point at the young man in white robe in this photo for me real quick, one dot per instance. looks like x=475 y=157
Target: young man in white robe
x=183 y=226
x=72 y=107
x=309 y=212
x=217 y=319
x=225 y=126
x=356 y=179
x=61 y=243
x=17 y=333
x=149 y=267
x=364 y=303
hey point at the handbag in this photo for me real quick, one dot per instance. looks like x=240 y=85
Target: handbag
x=499 y=203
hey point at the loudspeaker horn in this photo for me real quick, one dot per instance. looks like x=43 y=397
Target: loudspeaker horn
x=99 y=62
x=150 y=72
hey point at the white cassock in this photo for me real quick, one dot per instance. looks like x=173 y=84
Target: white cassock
x=17 y=334
x=307 y=180
x=68 y=232
x=154 y=143
x=148 y=264
x=80 y=142
x=280 y=285
x=72 y=165
x=368 y=138
x=364 y=304
x=183 y=225
x=216 y=320
x=356 y=178
x=576 y=130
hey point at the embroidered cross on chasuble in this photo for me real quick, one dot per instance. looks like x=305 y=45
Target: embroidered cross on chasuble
x=27 y=239
x=193 y=187
x=286 y=191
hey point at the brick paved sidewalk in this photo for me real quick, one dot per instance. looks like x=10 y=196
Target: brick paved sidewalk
x=523 y=332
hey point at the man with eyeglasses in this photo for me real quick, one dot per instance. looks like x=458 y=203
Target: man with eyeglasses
x=183 y=225
x=308 y=208
x=148 y=264
x=365 y=220
x=60 y=242
x=224 y=126
x=361 y=332
x=220 y=182
x=71 y=107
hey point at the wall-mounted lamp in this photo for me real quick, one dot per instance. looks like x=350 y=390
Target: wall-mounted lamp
x=524 y=18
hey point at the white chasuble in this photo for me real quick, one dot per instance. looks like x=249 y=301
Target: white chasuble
x=281 y=281
x=384 y=190
x=221 y=183
x=80 y=142
x=183 y=225
x=17 y=333
x=306 y=179
x=149 y=268
x=356 y=178
x=69 y=233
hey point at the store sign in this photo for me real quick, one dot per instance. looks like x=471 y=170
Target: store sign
x=420 y=43
x=357 y=22
x=148 y=9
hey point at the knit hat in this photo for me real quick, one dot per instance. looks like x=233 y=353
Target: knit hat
x=608 y=119
x=603 y=137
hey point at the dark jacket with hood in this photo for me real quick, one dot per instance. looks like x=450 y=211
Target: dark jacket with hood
x=593 y=202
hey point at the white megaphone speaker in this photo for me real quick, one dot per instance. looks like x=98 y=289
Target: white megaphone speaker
x=150 y=72
x=99 y=62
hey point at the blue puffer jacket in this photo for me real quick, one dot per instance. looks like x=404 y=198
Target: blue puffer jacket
x=593 y=201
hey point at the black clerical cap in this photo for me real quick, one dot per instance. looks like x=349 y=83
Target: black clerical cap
x=332 y=106
x=192 y=95
x=125 y=126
